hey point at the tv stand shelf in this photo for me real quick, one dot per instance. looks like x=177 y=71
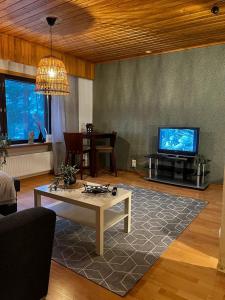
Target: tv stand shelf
x=177 y=170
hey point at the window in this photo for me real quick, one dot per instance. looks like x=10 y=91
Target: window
x=22 y=109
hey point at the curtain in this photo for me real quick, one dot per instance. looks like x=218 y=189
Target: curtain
x=64 y=118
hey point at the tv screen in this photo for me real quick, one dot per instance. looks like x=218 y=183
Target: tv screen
x=179 y=141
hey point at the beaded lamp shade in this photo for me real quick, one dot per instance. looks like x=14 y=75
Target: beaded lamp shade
x=51 y=78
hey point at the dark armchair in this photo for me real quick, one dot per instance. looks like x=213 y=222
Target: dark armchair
x=26 y=240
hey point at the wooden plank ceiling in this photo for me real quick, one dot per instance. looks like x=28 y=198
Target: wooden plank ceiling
x=104 y=30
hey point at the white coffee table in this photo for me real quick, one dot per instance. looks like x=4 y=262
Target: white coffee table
x=89 y=209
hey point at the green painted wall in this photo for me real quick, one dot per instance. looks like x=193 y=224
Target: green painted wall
x=186 y=88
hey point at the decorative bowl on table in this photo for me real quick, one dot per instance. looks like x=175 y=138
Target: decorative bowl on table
x=96 y=189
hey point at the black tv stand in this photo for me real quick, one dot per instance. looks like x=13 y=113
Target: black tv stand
x=173 y=156
x=177 y=170
x=170 y=155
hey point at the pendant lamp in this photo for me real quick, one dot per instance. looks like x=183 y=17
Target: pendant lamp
x=51 y=78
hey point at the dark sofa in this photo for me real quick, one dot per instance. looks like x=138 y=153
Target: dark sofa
x=26 y=240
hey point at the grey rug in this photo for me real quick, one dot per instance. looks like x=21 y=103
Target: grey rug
x=157 y=220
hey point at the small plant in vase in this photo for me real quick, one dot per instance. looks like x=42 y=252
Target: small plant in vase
x=68 y=173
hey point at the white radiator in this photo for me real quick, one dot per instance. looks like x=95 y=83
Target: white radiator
x=29 y=164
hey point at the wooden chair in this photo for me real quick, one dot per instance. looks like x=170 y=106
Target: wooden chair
x=75 y=147
x=106 y=148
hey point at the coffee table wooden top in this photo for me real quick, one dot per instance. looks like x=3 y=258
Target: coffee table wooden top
x=89 y=200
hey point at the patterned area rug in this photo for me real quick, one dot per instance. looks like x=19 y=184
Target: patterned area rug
x=157 y=220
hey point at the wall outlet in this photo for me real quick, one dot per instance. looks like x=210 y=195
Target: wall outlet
x=133 y=163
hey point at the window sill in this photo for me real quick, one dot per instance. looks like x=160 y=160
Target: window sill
x=13 y=146
x=22 y=149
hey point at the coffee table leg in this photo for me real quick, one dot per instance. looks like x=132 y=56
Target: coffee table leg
x=99 y=231
x=37 y=199
x=127 y=210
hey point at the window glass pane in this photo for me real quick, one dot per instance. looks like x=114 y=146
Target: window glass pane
x=25 y=109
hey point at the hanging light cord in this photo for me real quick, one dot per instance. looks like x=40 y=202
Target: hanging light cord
x=50 y=32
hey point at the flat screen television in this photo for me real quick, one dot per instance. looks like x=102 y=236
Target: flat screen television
x=181 y=141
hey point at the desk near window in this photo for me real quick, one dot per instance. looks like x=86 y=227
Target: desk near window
x=96 y=149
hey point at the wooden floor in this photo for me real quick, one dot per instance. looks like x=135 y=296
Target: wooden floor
x=187 y=270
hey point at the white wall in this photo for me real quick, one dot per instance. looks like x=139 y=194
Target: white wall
x=8 y=65
x=85 y=98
